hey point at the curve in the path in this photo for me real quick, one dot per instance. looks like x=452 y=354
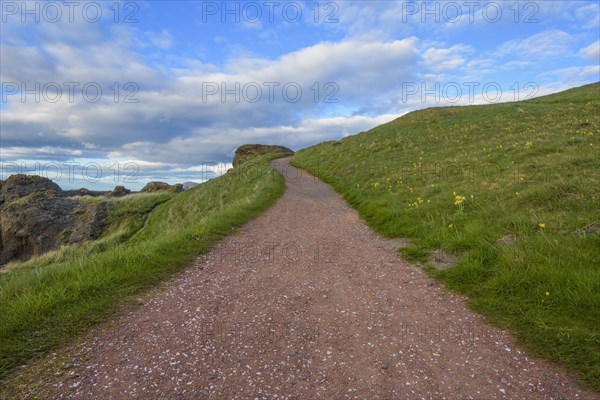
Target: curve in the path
x=305 y=302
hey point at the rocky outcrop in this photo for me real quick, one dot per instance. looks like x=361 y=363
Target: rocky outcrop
x=162 y=186
x=37 y=216
x=19 y=185
x=119 y=191
x=249 y=151
x=84 y=192
x=37 y=223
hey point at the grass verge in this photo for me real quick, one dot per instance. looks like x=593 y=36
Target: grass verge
x=514 y=189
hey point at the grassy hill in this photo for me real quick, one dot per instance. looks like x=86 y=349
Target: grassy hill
x=47 y=301
x=512 y=190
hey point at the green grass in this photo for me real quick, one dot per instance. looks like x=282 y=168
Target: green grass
x=529 y=173
x=46 y=305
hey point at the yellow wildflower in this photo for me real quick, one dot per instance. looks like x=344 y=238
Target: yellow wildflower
x=458 y=200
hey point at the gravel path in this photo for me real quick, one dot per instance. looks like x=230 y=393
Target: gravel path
x=305 y=302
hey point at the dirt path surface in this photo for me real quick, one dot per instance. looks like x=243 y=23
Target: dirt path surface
x=305 y=302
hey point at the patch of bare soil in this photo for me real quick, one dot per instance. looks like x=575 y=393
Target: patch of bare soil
x=442 y=260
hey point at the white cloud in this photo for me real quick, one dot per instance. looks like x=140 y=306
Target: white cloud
x=446 y=59
x=173 y=128
x=511 y=65
x=224 y=141
x=592 y=51
x=553 y=43
x=576 y=76
x=172 y=122
x=589 y=14
x=25 y=63
x=162 y=40
x=45 y=152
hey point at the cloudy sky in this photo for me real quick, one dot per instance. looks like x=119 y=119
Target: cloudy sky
x=97 y=94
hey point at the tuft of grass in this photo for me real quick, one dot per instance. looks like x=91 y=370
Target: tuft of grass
x=463 y=179
x=46 y=305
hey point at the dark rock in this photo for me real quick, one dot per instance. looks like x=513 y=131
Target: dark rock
x=97 y=223
x=40 y=222
x=155 y=187
x=20 y=185
x=80 y=192
x=36 y=216
x=84 y=192
x=248 y=151
x=162 y=186
x=119 y=191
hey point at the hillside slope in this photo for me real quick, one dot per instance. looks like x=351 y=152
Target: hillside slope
x=511 y=191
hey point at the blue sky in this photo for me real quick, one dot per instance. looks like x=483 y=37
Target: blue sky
x=183 y=83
